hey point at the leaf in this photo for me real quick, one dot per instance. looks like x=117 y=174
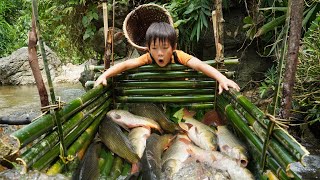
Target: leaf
x=178 y=115
x=85 y=21
x=95 y=16
x=248 y=20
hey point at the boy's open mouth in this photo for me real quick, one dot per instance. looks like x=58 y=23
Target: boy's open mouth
x=161 y=61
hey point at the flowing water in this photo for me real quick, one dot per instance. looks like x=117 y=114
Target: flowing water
x=16 y=100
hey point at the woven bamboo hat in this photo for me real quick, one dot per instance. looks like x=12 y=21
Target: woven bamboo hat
x=138 y=21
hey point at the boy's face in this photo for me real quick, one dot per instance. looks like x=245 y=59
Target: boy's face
x=161 y=52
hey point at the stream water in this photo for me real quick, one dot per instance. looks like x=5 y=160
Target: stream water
x=24 y=100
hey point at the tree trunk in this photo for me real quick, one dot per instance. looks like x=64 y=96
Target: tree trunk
x=33 y=61
x=292 y=57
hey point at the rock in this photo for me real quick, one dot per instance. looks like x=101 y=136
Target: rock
x=15 y=69
x=70 y=73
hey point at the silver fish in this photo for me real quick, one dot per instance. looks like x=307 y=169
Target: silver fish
x=128 y=120
x=231 y=146
x=138 y=137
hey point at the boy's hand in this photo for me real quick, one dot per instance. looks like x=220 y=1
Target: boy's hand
x=101 y=80
x=226 y=83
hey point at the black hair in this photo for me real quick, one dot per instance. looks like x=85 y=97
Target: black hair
x=163 y=31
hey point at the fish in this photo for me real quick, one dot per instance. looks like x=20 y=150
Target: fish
x=151 y=159
x=175 y=155
x=231 y=146
x=152 y=111
x=221 y=162
x=199 y=133
x=89 y=165
x=127 y=120
x=113 y=137
x=138 y=137
x=195 y=170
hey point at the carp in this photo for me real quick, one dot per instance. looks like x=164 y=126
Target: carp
x=113 y=137
x=152 y=111
x=231 y=146
x=138 y=137
x=127 y=120
x=151 y=159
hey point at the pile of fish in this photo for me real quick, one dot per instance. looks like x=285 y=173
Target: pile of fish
x=158 y=148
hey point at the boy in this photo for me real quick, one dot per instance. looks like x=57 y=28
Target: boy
x=161 y=42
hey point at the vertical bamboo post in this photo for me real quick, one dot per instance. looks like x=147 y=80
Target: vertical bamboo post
x=56 y=117
x=278 y=87
x=106 y=57
x=217 y=20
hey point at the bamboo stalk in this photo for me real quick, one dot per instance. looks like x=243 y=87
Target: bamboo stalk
x=116 y=167
x=167 y=84
x=51 y=155
x=106 y=167
x=290 y=143
x=167 y=75
x=166 y=99
x=244 y=129
x=126 y=169
x=278 y=152
x=227 y=61
x=78 y=149
x=44 y=145
x=157 y=92
x=25 y=135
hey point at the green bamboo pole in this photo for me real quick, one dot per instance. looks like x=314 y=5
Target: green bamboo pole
x=106 y=167
x=167 y=84
x=126 y=169
x=56 y=116
x=278 y=152
x=289 y=142
x=51 y=155
x=81 y=143
x=157 y=92
x=116 y=167
x=227 y=61
x=247 y=132
x=25 y=135
x=194 y=106
x=36 y=151
x=167 y=75
x=166 y=99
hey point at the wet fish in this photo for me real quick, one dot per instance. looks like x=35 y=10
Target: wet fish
x=128 y=120
x=151 y=159
x=175 y=155
x=222 y=162
x=201 y=134
x=113 y=137
x=138 y=137
x=195 y=170
x=231 y=146
x=152 y=111
x=89 y=165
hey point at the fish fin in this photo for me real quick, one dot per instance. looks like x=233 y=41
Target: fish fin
x=135 y=168
x=187 y=113
x=183 y=126
x=186 y=141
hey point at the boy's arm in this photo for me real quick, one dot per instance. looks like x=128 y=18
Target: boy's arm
x=224 y=82
x=117 y=69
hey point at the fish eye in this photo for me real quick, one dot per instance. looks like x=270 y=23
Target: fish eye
x=116 y=116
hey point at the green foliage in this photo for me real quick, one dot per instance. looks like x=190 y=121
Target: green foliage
x=269 y=23
x=13 y=30
x=191 y=17
x=307 y=91
x=267 y=88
